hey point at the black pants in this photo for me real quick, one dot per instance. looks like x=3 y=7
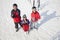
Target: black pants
x=16 y=25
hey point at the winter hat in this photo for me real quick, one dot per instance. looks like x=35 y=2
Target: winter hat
x=24 y=16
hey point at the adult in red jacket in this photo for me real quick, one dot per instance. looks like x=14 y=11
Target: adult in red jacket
x=35 y=16
x=15 y=14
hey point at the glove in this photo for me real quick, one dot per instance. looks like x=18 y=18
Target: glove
x=13 y=16
x=33 y=19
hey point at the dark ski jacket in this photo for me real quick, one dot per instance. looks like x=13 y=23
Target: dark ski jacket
x=16 y=15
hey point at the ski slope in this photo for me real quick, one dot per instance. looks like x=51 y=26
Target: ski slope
x=49 y=25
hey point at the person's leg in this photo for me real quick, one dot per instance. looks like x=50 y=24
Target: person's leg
x=16 y=26
x=36 y=27
x=20 y=24
x=32 y=25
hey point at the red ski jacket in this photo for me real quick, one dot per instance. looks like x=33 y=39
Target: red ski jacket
x=16 y=15
x=25 y=25
x=35 y=16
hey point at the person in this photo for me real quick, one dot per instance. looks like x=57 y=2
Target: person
x=35 y=16
x=15 y=14
x=25 y=24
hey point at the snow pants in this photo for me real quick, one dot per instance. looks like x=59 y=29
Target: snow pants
x=34 y=25
x=16 y=25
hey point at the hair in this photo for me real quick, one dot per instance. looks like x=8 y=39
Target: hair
x=33 y=7
x=15 y=5
x=24 y=16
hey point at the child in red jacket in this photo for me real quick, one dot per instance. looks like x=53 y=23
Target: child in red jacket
x=25 y=24
x=35 y=16
x=15 y=14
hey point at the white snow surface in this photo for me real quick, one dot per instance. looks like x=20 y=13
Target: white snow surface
x=45 y=32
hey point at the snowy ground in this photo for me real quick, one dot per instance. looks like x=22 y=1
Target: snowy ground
x=49 y=23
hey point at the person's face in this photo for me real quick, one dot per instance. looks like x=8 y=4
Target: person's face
x=34 y=10
x=14 y=7
x=24 y=18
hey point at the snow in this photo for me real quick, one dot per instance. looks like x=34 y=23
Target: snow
x=46 y=31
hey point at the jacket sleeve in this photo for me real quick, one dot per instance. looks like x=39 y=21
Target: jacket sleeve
x=12 y=15
x=31 y=16
x=39 y=16
x=19 y=12
x=28 y=21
